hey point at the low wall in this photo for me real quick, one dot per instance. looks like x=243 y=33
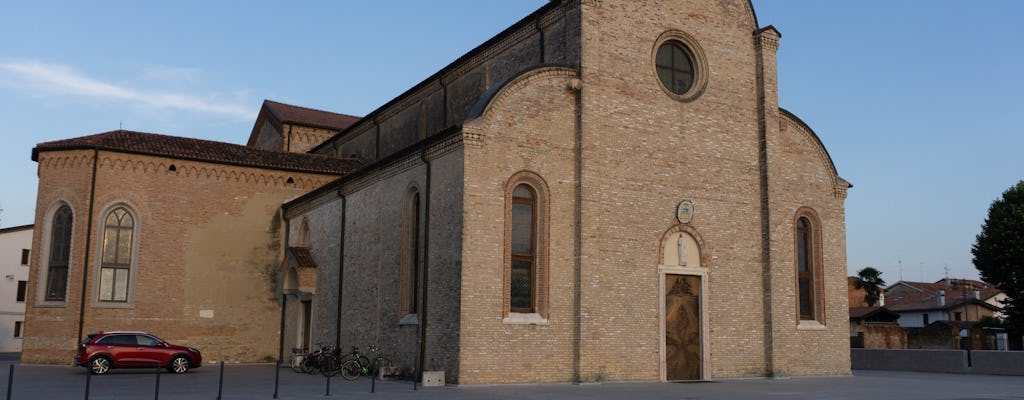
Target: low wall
x=946 y=361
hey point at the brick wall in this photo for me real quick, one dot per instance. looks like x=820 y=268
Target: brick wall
x=199 y=226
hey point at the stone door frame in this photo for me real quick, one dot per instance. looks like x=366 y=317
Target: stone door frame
x=702 y=273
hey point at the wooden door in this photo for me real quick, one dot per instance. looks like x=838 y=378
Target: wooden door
x=682 y=327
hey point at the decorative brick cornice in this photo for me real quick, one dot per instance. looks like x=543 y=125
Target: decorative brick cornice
x=397 y=167
x=119 y=162
x=767 y=39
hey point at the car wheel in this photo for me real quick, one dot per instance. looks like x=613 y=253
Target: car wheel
x=178 y=365
x=99 y=365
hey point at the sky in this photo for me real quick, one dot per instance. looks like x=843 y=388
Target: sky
x=919 y=103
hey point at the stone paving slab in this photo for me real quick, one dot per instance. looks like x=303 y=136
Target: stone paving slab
x=256 y=381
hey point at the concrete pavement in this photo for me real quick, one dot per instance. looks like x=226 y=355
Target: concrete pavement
x=256 y=381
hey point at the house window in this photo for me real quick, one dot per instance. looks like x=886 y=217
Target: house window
x=24 y=256
x=17 y=329
x=60 y=253
x=810 y=303
x=925 y=319
x=21 y=291
x=526 y=276
x=957 y=316
x=411 y=254
x=118 y=243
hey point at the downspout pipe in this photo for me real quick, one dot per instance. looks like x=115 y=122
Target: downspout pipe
x=341 y=268
x=426 y=265
x=88 y=242
x=284 y=295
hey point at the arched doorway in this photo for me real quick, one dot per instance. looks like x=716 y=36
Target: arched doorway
x=682 y=286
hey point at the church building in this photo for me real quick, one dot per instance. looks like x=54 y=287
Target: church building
x=607 y=190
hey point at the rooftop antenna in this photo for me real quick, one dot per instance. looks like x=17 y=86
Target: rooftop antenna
x=946 y=268
x=120 y=125
x=899 y=260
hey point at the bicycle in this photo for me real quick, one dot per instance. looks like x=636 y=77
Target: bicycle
x=316 y=361
x=361 y=365
x=298 y=355
x=331 y=362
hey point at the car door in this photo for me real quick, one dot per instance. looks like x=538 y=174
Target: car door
x=121 y=347
x=151 y=350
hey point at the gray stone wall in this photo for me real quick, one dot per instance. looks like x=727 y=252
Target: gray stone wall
x=447 y=99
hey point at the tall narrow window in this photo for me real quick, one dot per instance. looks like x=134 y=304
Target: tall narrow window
x=20 y=297
x=118 y=232
x=410 y=268
x=60 y=252
x=525 y=287
x=17 y=328
x=524 y=227
x=805 y=268
x=24 y=256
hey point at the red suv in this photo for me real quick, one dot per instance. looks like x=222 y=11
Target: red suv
x=105 y=350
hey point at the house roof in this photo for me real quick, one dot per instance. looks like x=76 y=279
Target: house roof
x=872 y=312
x=287 y=113
x=200 y=150
x=16 y=228
x=914 y=296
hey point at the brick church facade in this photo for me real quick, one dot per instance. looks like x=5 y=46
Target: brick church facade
x=606 y=190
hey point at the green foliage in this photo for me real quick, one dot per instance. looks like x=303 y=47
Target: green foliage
x=870 y=279
x=999 y=252
x=991 y=322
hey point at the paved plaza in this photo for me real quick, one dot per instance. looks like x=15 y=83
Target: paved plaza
x=256 y=381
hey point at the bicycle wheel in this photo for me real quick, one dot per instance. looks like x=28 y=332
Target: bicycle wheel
x=351 y=370
x=329 y=366
x=296 y=363
x=309 y=364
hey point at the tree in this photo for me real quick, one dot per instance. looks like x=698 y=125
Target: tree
x=999 y=252
x=870 y=280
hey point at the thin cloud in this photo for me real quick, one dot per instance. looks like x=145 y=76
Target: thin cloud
x=64 y=80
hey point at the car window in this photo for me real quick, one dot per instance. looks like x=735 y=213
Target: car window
x=117 y=339
x=145 y=340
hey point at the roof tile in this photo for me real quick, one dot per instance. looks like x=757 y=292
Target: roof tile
x=202 y=150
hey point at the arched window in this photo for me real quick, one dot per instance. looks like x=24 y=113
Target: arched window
x=118 y=245
x=60 y=253
x=304 y=233
x=810 y=306
x=522 y=283
x=408 y=301
x=525 y=283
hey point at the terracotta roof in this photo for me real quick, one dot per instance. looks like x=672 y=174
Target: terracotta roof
x=288 y=113
x=907 y=296
x=867 y=312
x=201 y=150
x=303 y=257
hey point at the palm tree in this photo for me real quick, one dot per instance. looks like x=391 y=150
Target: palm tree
x=870 y=279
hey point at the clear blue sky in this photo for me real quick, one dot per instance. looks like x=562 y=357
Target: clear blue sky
x=918 y=102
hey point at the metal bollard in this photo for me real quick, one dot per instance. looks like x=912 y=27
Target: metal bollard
x=156 y=395
x=328 y=386
x=277 y=376
x=373 y=378
x=88 y=377
x=220 y=384
x=10 y=382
